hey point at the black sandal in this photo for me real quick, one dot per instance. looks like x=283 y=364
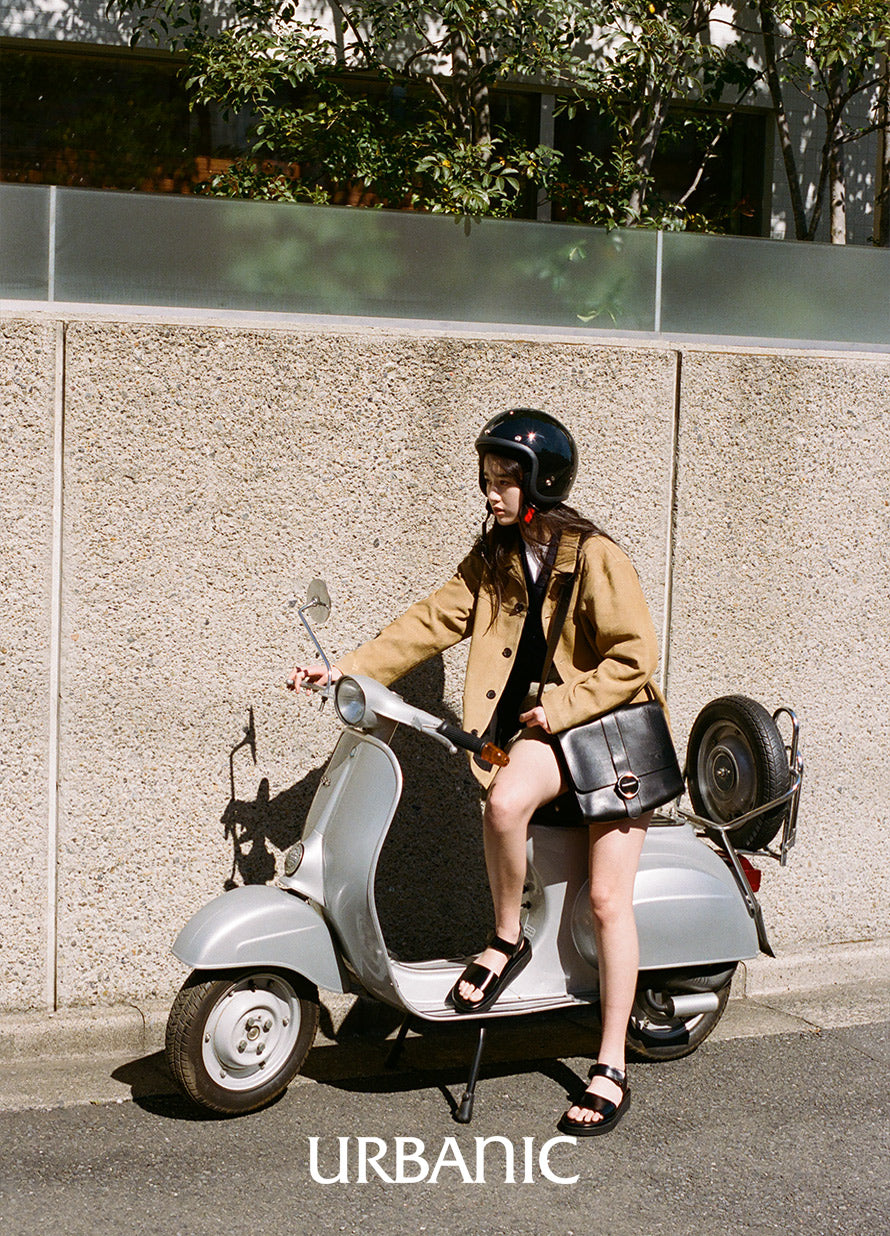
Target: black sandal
x=611 y=1112
x=490 y=984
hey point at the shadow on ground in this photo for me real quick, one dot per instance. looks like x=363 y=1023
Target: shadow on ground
x=433 y=1057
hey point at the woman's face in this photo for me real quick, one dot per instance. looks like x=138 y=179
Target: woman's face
x=504 y=495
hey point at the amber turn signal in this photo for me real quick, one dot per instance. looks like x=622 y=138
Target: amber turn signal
x=494 y=755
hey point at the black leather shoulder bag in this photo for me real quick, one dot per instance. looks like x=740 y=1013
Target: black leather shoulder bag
x=623 y=764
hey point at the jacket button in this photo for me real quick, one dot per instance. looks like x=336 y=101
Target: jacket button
x=508 y=652
x=489 y=695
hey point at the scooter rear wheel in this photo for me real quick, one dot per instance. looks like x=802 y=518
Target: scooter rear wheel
x=655 y=1036
x=236 y=1039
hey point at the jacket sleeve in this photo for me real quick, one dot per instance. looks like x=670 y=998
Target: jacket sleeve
x=427 y=628
x=613 y=634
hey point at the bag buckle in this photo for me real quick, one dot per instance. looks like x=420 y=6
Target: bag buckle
x=628 y=786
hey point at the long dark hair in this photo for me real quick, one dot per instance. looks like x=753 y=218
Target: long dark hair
x=497 y=544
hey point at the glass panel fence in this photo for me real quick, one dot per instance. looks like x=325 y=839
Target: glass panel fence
x=199 y=252
x=739 y=286
x=24 y=242
x=206 y=253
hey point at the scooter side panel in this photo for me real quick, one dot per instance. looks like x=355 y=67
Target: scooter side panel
x=261 y=925
x=688 y=908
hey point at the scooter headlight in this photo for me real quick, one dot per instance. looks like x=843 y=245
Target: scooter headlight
x=349 y=700
x=293 y=858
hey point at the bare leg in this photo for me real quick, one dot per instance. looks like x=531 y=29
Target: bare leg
x=531 y=779
x=614 y=858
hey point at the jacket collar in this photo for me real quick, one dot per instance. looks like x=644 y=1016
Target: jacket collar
x=567 y=554
x=564 y=564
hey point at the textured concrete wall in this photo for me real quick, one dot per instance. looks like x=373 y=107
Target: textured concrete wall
x=781 y=587
x=27 y=396
x=211 y=471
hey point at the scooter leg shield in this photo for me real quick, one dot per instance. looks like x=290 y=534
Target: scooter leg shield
x=260 y=924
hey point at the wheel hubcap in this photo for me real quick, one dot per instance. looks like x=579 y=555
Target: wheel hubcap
x=727 y=776
x=251 y=1031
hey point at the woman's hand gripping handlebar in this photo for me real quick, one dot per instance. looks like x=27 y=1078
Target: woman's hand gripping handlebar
x=312 y=678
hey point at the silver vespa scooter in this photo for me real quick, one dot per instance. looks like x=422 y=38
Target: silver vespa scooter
x=241 y=1026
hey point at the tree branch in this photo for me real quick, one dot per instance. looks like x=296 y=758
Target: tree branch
x=710 y=149
x=347 y=17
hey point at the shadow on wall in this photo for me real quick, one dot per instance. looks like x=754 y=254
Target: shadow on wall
x=431 y=889
x=256 y=826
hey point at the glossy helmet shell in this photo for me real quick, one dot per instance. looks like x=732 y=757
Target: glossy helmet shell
x=544 y=447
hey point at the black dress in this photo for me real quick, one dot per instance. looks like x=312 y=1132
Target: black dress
x=530 y=654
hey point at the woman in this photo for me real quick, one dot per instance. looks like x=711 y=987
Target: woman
x=503 y=596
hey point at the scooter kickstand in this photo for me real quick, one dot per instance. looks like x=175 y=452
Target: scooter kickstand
x=464 y=1113
x=395 y=1051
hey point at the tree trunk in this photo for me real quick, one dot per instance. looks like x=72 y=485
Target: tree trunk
x=645 y=126
x=831 y=167
x=838 y=192
x=462 y=103
x=768 y=27
x=881 y=234
x=470 y=90
x=481 y=100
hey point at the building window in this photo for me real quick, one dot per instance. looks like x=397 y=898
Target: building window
x=102 y=119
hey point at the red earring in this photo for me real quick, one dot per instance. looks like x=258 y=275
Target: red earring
x=528 y=515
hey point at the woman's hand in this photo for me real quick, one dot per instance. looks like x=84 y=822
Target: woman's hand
x=316 y=674
x=536 y=716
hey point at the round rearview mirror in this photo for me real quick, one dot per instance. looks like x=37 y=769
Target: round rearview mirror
x=319 y=601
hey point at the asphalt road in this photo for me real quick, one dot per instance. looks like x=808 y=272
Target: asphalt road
x=776 y=1132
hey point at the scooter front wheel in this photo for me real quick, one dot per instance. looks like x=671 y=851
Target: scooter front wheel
x=236 y=1038
x=656 y=1033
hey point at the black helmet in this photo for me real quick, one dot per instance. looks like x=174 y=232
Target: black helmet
x=545 y=449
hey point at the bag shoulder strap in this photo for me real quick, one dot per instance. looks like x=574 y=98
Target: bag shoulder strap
x=557 y=623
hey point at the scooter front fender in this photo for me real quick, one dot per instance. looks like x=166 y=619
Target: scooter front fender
x=261 y=925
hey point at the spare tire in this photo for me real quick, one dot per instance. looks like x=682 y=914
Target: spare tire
x=736 y=762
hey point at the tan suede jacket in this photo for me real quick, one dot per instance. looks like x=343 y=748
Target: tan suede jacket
x=606 y=654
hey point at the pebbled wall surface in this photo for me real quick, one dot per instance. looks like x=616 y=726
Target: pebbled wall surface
x=211 y=470
x=781 y=586
x=28 y=386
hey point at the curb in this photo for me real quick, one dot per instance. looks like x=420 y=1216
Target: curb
x=130 y=1029
x=818 y=969
x=124 y=1029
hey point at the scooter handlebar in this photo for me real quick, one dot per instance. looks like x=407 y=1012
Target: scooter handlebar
x=472 y=742
x=325 y=689
x=362 y=702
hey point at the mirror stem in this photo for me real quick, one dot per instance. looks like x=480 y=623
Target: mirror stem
x=309 y=605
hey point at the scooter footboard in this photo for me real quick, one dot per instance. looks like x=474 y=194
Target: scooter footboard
x=261 y=925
